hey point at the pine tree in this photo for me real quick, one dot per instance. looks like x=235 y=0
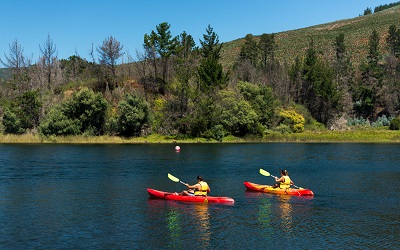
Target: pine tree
x=210 y=71
x=393 y=41
x=267 y=48
x=249 y=50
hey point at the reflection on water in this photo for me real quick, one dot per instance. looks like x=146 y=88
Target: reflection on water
x=285 y=213
x=174 y=227
x=264 y=216
x=180 y=220
x=203 y=223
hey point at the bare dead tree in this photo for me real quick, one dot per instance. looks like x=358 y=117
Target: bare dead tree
x=48 y=59
x=110 y=51
x=19 y=65
x=16 y=59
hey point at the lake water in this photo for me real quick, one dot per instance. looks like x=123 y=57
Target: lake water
x=94 y=196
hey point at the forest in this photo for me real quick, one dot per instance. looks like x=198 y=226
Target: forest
x=177 y=88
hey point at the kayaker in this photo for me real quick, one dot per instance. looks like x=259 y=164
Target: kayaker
x=284 y=181
x=201 y=188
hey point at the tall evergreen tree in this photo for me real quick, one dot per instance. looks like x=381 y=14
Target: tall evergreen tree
x=267 y=46
x=211 y=78
x=210 y=46
x=181 y=88
x=319 y=91
x=373 y=49
x=295 y=78
x=210 y=71
x=249 y=50
x=367 y=92
x=393 y=41
x=308 y=73
x=161 y=44
x=344 y=73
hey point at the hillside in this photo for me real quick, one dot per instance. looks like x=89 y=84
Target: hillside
x=291 y=44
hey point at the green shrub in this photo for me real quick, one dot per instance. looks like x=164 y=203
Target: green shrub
x=56 y=123
x=218 y=132
x=395 y=124
x=283 y=129
x=12 y=124
x=382 y=121
x=87 y=107
x=133 y=114
x=314 y=125
x=361 y=121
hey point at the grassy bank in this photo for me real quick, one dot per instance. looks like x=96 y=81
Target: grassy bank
x=379 y=136
x=362 y=135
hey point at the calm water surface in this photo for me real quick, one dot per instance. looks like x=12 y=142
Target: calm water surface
x=94 y=197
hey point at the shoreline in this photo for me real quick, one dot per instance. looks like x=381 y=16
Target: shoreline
x=348 y=136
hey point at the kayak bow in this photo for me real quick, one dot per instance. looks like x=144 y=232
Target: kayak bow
x=269 y=189
x=157 y=194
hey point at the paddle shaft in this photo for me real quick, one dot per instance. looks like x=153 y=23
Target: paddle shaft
x=183 y=183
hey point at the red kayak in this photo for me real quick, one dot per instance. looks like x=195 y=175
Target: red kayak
x=269 y=189
x=177 y=197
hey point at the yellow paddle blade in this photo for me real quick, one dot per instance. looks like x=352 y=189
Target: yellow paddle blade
x=173 y=178
x=265 y=173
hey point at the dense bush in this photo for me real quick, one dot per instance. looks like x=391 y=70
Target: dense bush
x=358 y=122
x=133 y=114
x=381 y=121
x=11 y=123
x=283 y=129
x=217 y=133
x=89 y=108
x=235 y=114
x=262 y=100
x=395 y=124
x=57 y=123
x=83 y=113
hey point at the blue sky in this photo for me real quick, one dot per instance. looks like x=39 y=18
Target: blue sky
x=74 y=25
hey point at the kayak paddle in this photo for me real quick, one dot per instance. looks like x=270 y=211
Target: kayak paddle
x=265 y=173
x=173 y=178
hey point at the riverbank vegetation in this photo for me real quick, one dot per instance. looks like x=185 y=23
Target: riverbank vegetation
x=332 y=82
x=360 y=135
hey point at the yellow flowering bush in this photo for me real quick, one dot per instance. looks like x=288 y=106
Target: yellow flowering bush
x=293 y=119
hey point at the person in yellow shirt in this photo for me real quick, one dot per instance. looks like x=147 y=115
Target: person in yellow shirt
x=284 y=182
x=201 y=188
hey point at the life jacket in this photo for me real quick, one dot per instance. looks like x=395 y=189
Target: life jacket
x=203 y=189
x=286 y=183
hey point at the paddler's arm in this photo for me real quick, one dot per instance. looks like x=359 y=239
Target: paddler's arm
x=192 y=187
